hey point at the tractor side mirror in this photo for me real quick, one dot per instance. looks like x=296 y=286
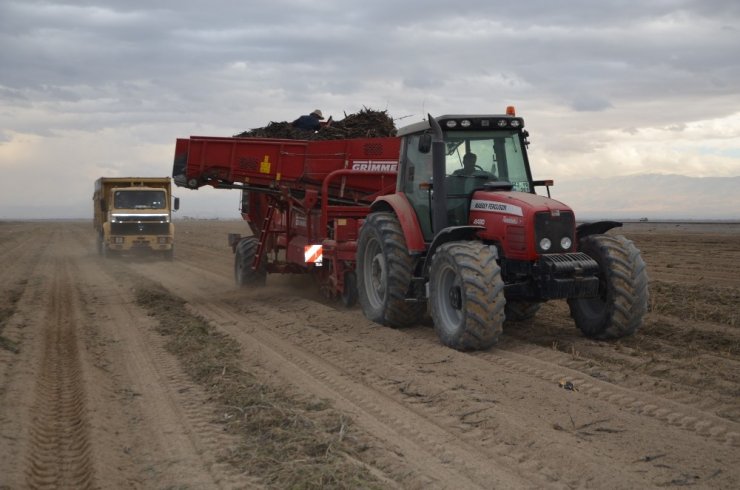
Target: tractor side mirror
x=425 y=143
x=177 y=203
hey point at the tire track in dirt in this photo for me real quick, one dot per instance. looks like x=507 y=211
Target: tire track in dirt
x=675 y=419
x=598 y=362
x=171 y=411
x=60 y=454
x=672 y=413
x=23 y=279
x=502 y=360
x=417 y=440
x=91 y=399
x=19 y=253
x=431 y=431
x=662 y=359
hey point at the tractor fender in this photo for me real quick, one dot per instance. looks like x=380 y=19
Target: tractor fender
x=450 y=234
x=595 y=228
x=400 y=206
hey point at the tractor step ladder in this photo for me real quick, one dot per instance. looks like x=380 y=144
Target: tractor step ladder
x=264 y=233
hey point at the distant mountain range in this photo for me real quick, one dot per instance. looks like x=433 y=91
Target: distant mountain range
x=651 y=196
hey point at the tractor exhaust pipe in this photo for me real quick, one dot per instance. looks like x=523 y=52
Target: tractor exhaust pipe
x=439 y=199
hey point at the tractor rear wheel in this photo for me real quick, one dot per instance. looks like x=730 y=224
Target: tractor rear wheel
x=466 y=295
x=519 y=311
x=384 y=272
x=244 y=275
x=622 y=301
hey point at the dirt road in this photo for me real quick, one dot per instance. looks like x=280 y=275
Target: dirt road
x=95 y=391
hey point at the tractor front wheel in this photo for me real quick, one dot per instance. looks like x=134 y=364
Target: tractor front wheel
x=466 y=295
x=384 y=272
x=244 y=275
x=622 y=301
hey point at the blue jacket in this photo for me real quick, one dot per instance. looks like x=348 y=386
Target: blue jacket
x=309 y=122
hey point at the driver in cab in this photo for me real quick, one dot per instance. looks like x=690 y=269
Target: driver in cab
x=468 y=165
x=470 y=169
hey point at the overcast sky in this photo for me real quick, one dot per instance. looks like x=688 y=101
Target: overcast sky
x=606 y=88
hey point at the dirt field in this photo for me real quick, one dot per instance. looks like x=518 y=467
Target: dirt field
x=152 y=374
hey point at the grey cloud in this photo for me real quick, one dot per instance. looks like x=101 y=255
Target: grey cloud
x=174 y=57
x=585 y=103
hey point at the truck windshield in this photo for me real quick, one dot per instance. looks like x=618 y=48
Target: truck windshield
x=496 y=155
x=139 y=199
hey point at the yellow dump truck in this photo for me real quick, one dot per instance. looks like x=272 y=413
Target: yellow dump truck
x=134 y=214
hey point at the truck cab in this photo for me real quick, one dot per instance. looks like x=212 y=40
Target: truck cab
x=134 y=215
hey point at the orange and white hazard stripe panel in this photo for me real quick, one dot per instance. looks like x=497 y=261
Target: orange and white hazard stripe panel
x=313 y=254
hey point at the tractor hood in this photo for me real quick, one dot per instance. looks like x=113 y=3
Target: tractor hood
x=513 y=203
x=515 y=221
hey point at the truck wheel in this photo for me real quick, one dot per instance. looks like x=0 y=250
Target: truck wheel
x=170 y=254
x=519 y=311
x=384 y=272
x=244 y=275
x=349 y=295
x=466 y=295
x=623 y=289
x=106 y=251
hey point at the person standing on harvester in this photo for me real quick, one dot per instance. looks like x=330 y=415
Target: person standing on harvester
x=309 y=122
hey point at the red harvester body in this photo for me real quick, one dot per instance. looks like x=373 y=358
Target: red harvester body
x=303 y=200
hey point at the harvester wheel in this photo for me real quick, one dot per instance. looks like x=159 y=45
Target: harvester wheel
x=349 y=295
x=623 y=289
x=466 y=295
x=519 y=311
x=384 y=272
x=244 y=275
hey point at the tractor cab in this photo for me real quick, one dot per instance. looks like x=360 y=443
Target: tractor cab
x=482 y=152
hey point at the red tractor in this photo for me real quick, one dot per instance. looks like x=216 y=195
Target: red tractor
x=442 y=220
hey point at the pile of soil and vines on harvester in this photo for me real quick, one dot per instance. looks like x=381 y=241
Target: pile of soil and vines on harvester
x=366 y=123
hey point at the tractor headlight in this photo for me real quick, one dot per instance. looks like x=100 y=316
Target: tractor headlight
x=545 y=244
x=465 y=123
x=565 y=243
x=451 y=124
x=514 y=123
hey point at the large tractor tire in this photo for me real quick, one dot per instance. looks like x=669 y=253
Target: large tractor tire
x=466 y=295
x=244 y=275
x=384 y=272
x=519 y=311
x=622 y=301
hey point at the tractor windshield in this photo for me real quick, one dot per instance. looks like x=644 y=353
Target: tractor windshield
x=487 y=155
x=498 y=156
